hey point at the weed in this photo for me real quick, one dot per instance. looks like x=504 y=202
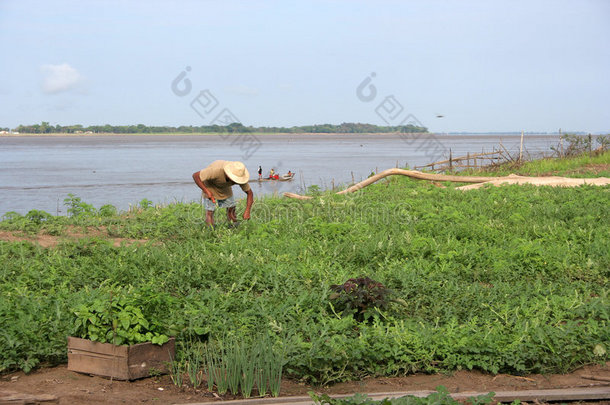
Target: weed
x=77 y=207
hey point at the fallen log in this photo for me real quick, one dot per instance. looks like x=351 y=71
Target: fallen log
x=478 y=180
x=417 y=175
x=297 y=196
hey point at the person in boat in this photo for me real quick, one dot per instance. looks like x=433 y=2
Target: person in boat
x=289 y=174
x=260 y=172
x=271 y=174
x=216 y=182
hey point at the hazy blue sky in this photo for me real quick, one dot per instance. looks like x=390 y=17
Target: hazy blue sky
x=484 y=65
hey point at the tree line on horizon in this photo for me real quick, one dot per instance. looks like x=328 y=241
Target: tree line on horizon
x=344 y=128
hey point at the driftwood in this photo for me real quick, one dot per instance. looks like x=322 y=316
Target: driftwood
x=478 y=180
x=417 y=175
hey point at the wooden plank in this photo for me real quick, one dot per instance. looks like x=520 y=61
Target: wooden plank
x=115 y=367
x=119 y=362
x=560 y=394
x=87 y=345
x=557 y=394
x=15 y=398
x=145 y=357
x=105 y=359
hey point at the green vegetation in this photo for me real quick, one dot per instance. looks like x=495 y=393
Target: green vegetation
x=581 y=165
x=501 y=279
x=236 y=365
x=117 y=317
x=344 y=128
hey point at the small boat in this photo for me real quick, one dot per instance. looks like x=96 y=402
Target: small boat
x=284 y=177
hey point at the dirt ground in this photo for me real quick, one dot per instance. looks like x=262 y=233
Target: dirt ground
x=75 y=388
x=70 y=234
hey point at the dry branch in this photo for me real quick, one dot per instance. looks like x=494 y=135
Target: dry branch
x=478 y=180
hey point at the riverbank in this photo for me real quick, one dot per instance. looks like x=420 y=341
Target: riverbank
x=596 y=164
x=502 y=280
x=122 y=170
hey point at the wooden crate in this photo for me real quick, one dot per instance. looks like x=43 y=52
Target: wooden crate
x=120 y=362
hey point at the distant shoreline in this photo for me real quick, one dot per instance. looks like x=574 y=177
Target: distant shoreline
x=51 y=135
x=212 y=134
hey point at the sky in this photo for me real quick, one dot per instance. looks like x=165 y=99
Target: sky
x=472 y=66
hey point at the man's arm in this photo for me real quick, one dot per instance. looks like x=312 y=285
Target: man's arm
x=249 y=201
x=203 y=187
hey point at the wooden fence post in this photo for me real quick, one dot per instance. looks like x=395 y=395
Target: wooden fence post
x=450 y=161
x=521 y=148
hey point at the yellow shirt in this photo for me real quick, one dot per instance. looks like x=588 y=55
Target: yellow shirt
x=213 y=177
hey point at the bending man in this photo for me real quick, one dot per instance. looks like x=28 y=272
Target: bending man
x=216 y=182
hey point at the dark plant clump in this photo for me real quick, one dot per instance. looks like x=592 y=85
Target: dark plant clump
x=359 y=295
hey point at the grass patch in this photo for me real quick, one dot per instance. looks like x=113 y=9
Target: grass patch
x=577 y=166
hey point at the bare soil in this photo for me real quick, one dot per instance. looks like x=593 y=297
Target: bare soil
x=71 y=233
x=75 y=388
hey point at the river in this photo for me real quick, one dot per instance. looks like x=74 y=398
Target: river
x=38 y=172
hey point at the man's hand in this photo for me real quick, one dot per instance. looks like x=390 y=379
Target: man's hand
x=203 y=188
x=249 y=201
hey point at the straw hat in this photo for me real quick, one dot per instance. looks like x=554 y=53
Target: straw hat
x=237 y=172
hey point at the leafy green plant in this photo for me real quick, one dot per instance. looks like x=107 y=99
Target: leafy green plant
x=107 y=210
x=77 y=207
x=145 y=203
x=314 y=190
x=117 y=318
x=38 y=216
